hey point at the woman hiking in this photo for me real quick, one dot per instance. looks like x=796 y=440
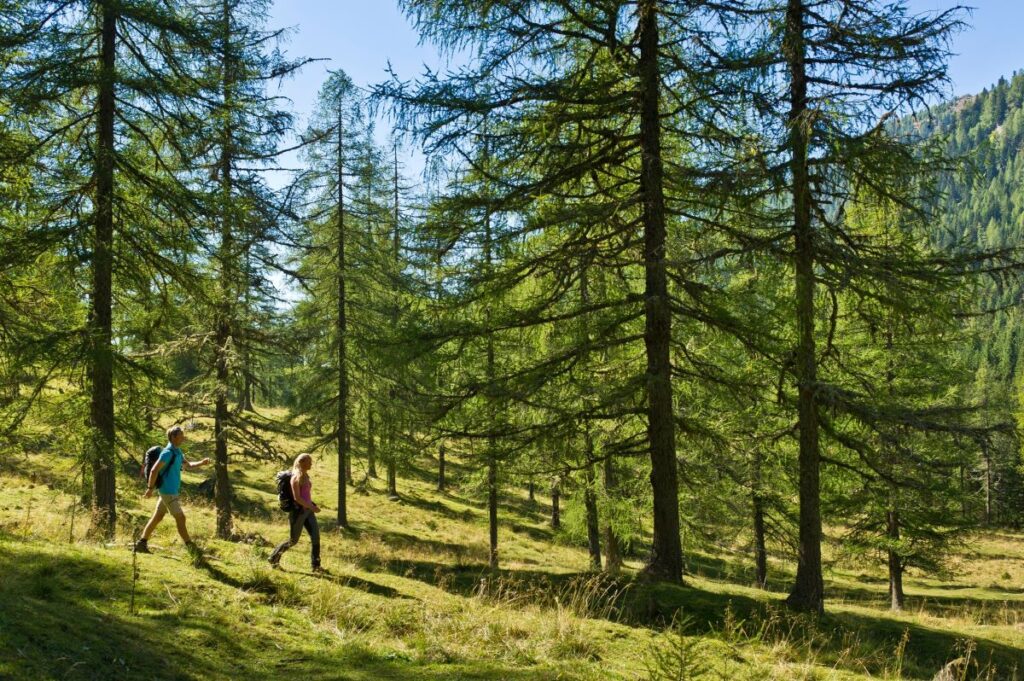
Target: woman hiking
x=302 y=514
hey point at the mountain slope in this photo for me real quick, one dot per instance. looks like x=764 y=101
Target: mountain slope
x=984 y=205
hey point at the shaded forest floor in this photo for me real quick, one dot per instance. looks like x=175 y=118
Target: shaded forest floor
x=409 y=596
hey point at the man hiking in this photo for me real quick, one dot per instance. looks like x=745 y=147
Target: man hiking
x=170 y=462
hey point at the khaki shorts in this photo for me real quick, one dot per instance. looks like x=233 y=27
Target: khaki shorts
x=170 y=504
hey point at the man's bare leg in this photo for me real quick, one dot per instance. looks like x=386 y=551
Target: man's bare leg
x=157 y=516
x=182 y=530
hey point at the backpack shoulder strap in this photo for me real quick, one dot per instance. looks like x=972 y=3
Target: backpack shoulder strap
x=163 y=471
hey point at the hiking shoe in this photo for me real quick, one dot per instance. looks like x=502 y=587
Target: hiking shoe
x=142 y=546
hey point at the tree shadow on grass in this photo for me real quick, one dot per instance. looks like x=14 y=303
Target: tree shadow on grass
x=418 y=473
x=41 y=472
x=736 y=571
x=871 y=591
x=512 y=512
x=364 y=665
x=873 y=640
x=365 y=585
x=851 y=641
x=221 y=576
x=1016 y=591
x=540 y=534
x=439 y=508
x=253 y=507
x=454 y=470
x=938 y=600
x=508 y=503
x=52 y=626
x=460 y=553
x=64 y=616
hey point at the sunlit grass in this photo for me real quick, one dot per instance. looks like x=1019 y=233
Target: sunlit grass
x=409 y=596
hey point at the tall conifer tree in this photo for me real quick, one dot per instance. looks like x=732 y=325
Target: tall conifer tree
x=244 y=142
x=572 y=97
x=95 y=75
x=825 y=78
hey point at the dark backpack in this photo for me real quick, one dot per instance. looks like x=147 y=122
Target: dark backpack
x=149 y=460
x=284 y=491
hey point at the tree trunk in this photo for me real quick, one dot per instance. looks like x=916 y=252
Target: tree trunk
x=666 y=559
x=392 y=480
x=556 y=512
x=245 y=399
x=895 y=563
x=392 y=474
x=391 y=423
x=440 y=469
x=757 y=501
x=492 y=445
x=342 y=332
x=492 y=506
x=100 y=322
x=348 y=458
x=224 y=317
x=892 y=524
x=987 y=457
x=371 y=445
x=531 y=494
x=589 y=483
x=590 y=504
x=492 y=466
x=613 y=549
x=149 y=409
x=808 y=592
x=222 y=482
x=760 y=552
x=396 y=235
x=964 y=511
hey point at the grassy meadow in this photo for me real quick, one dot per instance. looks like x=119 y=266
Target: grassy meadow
x=408 y=596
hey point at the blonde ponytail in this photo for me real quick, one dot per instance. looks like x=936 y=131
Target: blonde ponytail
x=297 y=471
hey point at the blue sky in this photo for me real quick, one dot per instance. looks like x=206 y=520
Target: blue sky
x=991 y=47
x=361 y=36
x=357 y=36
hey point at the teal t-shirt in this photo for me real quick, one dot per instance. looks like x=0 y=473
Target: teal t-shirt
x=172 y=459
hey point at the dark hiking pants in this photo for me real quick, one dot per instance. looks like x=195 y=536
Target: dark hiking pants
x=299 y=518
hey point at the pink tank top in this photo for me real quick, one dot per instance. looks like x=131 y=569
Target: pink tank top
x=306 y=491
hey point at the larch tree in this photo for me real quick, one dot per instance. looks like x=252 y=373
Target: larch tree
x=244 y=142
x=348 y=251
x=574 y=97
x=93 y=77
x=824 y=78
x=909 y=427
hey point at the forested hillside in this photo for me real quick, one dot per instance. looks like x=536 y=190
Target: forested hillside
x=982 y=204
x=985 y=204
